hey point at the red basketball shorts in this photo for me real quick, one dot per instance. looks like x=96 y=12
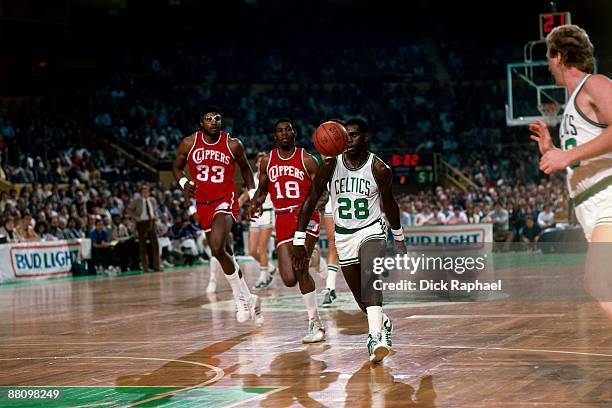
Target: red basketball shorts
x=224 y=205
x=286 y=224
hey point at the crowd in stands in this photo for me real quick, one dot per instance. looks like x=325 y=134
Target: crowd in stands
x=409 y=104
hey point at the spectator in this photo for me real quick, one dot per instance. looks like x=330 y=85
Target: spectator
x=501 y=229
x=55 y=230
x=100 y=243
x=424 y=217
x=530 y=234
x=126 y=243
x=73 y=229
x=457 y=217
x=9 y=231
x=437 y=218
x=41 y=230
x=25 y=230
x=546 y=218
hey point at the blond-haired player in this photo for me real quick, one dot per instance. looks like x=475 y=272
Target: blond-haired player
x=586 y=146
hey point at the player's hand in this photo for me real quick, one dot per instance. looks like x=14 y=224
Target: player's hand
x=190 y=188
x=541 y=135
x=400 y=247
x=554 y=160
x=254 y=211
x=300 y=258
x=299 y=251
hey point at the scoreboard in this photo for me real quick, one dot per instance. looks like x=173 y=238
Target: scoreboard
x=411 y=168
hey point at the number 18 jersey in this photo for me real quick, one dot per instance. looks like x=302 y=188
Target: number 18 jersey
x=289 y=181
x=212 y=167
x=354 y=194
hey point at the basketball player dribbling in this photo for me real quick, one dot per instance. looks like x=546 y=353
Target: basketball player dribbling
x=211 y=155
x=586 y=147
x=358 y=182
x=286 y=174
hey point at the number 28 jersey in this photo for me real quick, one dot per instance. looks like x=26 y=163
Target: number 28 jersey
x=354 y=194
x=212 y=167
x=289 y=181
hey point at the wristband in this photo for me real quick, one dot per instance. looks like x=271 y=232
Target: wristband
x=398 y=234
x=182 y=181
x=252 y=193
x=299 y=238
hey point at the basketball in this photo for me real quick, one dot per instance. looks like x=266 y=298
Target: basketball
x=330 y=138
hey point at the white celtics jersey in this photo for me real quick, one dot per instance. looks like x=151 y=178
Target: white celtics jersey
x=354 y=194
x=268 y=203
x=577 y=129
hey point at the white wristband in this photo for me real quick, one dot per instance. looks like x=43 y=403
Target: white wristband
x=182 y=181
x=398 y=234
x=299 y=238
x=252 y=193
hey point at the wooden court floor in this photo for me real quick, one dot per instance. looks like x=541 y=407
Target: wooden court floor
x=158 y=340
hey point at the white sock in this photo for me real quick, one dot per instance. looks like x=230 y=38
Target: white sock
x=375 y=316
x=215 y=266
x=263 y=273
x=310 y=301
x=332 y=270
x=235 y=284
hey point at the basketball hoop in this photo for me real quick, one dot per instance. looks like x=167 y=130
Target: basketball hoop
x=550 y=112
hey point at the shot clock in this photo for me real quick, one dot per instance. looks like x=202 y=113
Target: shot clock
x=548 y=21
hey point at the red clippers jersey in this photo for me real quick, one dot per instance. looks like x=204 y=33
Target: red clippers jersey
x=289 y=180
x=212 y=167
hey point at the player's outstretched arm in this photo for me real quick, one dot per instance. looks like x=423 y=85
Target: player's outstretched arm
x=259 y=196
x=322 y=177
x=237 y=150
x=384 y=178
x=180 y=162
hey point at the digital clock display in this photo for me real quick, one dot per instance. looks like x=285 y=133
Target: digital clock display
x=548 y=22
x=412 y=168
x=407 y=160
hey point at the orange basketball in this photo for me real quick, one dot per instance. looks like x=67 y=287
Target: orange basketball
x=330 y=138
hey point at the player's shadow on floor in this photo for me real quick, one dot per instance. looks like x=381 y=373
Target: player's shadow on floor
x=350 y=324
x=300 y=372
x=373 y=385
x=179 y=374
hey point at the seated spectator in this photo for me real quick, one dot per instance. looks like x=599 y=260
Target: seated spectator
x=406 y=219
x=424 y=217
x=55 y=230
x=501 y=228
x=457 y=217
x=41 y=230
x=73 y=229
x=26 y=230
x=438 y=217
x=473 y=213
x=100 y=247
x=546 y=218
x=9 y=231
x=530 y=234
x=126 y=248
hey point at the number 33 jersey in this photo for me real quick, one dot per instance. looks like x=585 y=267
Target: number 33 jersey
x=354 y=194
x=576 y=129
x=289 y=181
x=212 y=167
